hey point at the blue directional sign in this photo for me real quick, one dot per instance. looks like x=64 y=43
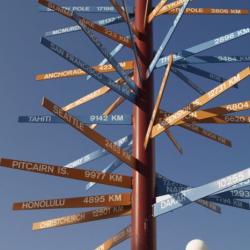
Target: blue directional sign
x=237 y=194
x=89 y=9
x=115 y=119
x=123 y=142
x=188 y=81
x=204 y=46
x=200 y=72
x=232 y=202
x=69 y=29
x=167 y=186
x=105 y=52
x=122 y=90
x=223 y=59
x=167 y=203
x=167 y=38
x=236 y=186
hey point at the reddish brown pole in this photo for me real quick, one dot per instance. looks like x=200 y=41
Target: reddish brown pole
x=143 y=224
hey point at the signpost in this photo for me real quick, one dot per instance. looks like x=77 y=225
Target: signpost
x=151 y=194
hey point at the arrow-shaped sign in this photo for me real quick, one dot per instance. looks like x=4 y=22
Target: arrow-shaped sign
x=109 y=200
x=121 y=90
x=76 y=174
x=204 y=46
x=199 y=102
x=83 y=217
x=166 y=40
x=167 y=203
x=91 y=134
x=98 y=28
x=118 y=238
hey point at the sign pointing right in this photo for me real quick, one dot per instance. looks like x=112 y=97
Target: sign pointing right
x=199 y=102
x=167 y=203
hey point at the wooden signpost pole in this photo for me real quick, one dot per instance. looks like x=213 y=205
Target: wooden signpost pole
x=143 y=224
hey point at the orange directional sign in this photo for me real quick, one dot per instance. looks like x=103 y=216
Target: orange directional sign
x=71 y=173
x=106 y=68
x=155 y=11
x=123 y=235
x=109 y=200
x=199 y=102
x=209 y=11
x=124 y=16
x=158 y=100
x=98 y=214
x=237 y=119
x=93 y=95
x=91 y=25
x=91 y=134
x=170 y=6
x=221 y=110
x=173 y=140
x=198 y=130
x=111 y=108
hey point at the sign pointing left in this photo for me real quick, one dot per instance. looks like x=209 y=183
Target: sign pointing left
x=91 y=134
x=121 y=90
x=71 y=173
x=122 y=199
x=98 y=214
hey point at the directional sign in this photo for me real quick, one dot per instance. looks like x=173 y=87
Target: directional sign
x=123 y=142
x=111 y=167
x=116 y=50
x=123 y=235
x=125 y=15
x=223 y=59
x=237 y=194
x=69 y=29
x=93 y=95
x=198 y=130
x=236 y=186
x=166 y=39
x=76 y=174
x=121 y=90
x=167 y=186
x=209 y=11
x=83 y=217
x=104 y=52
x=106 y=68
x=109 y=200
x=104 y=31
x=227 y=120
x=201 y=101
x=158 y=101
x=89 y=9
x=230 y=202
x=174 y=141
x=204 y=46
x=132 y=29
x=165 y=9
x=155 y=11
x=101 y=119
x=167 y=203
x=188 y=81
x=200 y=72
x=222 y=110
x=111 y=108
x=91 y=134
